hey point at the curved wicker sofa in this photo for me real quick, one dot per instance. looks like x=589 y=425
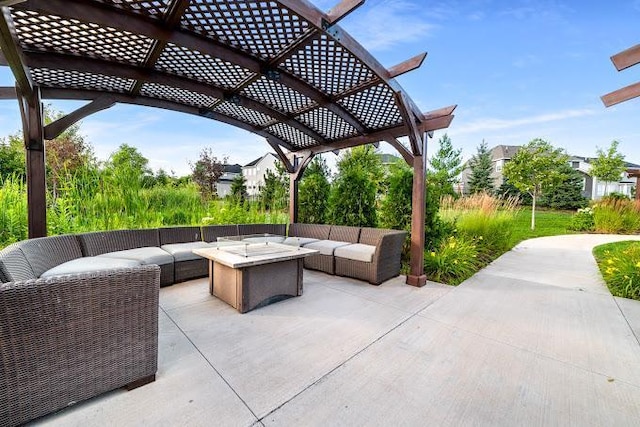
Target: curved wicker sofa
x=80 y=312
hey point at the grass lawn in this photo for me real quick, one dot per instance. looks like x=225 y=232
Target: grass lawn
x=619 y=264
x=548 y=223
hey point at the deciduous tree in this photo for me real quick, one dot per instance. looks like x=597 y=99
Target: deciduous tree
x=535 y=169
x=206 y=172
x=609 y=165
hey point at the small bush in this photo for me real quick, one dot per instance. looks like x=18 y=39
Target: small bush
x=619 y=264
x=582 y=220
x=453 y=261
x=618 y=216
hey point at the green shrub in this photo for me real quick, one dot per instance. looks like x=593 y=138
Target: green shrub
x=619 y=264
x=13 y=210
x=492 y=232
x=353 y=199
x=582 y=220
x=454 y=260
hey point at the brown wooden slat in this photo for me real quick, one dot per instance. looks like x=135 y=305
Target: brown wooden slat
x=8 y=93
x=621 y=95
x=415 y=136
x=342 y=9
x=626 y=58
x=408 y=65
x=404 y=152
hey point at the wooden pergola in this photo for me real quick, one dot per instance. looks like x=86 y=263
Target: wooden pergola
x=622 y=61
x=280 y=69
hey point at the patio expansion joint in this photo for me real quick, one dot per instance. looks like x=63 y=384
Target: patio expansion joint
x=536 y=353
x=213 y=367
x=627 y=322
x=341 y=364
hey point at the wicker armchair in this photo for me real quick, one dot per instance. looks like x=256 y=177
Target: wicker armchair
x=386 y=258
x=68 y=338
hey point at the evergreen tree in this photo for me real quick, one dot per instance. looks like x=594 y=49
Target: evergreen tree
x=352 y=200
x=314 y=192
x=568 y=193
x=445 y=166
x=239 y=189
x=480 y=179
x=609 y=165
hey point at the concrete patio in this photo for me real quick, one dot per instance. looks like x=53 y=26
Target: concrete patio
x=533 y=339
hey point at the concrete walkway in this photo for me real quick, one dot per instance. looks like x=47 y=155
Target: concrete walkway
x=533 y=339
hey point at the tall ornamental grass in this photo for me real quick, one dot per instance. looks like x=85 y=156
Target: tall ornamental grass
x=617 y=216
x=485 y=219
x=619 y=264
x=13 y=211
x=228 y=212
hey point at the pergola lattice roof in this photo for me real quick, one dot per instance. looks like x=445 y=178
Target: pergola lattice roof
x=281 y=69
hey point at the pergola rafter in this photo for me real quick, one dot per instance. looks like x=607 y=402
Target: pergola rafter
x=283 y=70
x=622 y=61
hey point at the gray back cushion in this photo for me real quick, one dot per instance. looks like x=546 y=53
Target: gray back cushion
x=343 y=233
x=313 y=231
x=101 y=242
x=210 y=233
x=279 y=229
x=171 y=235
x=14 y=265
x=45 y=253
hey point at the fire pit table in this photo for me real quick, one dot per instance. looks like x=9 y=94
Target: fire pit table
x=251 y=271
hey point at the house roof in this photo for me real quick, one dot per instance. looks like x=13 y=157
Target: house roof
x=504 y=151
x=236 y=168
x=258 y=160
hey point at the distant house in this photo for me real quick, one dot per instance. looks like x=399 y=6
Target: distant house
x=500 y=155
x=592 y=188
x=255 y=171
x=223 y=186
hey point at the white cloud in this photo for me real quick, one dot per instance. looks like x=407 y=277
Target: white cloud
x=385 y=24
x=488 y=124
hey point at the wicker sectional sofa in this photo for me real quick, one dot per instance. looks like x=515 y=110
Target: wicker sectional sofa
x=80 y=312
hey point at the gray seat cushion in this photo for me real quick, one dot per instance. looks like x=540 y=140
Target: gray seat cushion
x=184 y=251
x=356 y=252
x=299 y=241
x=326 y=247
x=89 y=264
x=148 y=255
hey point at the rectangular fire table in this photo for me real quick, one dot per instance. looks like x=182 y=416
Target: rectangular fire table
x=251 y=273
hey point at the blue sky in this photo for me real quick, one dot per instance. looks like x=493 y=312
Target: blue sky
x=517 y=69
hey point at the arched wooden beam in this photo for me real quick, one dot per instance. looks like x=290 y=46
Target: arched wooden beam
x=12 y=54
x=441 y=122
x=62 y=93
x=415 y=135
x=404 y=152
x=54 y=129
x=98 y=66
x=124 y=21
x=283 y=157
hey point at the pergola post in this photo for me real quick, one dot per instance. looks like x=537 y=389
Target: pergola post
x=32 y=121
x=293 y=197
x=416 y=276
